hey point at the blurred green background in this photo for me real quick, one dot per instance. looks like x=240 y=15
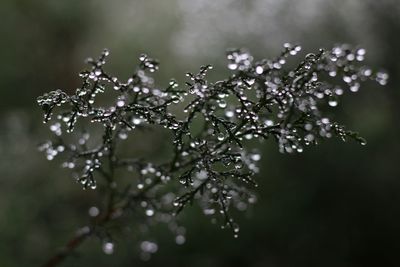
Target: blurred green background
x=333 y=205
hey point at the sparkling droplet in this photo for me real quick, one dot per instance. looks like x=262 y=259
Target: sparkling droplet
x=361 y=52
x=255 y=157
x=229 y=113
x=232 y=66
x=136 y=121
x=97 y=72
x=108 y=248
x=347 y=79
x=355 y=87
x=339 y=91
x=222 y=104
x=287 y=45
x=149 y=212
x=268 y=122
x=120 y=103
x=332 y=103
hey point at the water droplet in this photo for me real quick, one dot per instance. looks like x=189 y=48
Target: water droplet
x=136 y=121
x=355 y=87
x=182 y=180
x=248 y=136
x=287 y=45
x=255 y=157
x=97 y=72
x=209 y=211
x=361 y=52
x=325 y=120
x=308 y=126
x=120 y=103
x=367 y=72
x=350 y=57
x=309 y=137
x=149 y=212
x=232 y=66
x=332 y=103
x=252 y=200
x=222 y=104
x=108 y=248
x=268 y=122
x=229 y=113
x=363 y=142
x=123 y=135
x=249 y=82
x=180 y=239
x=339 y=91
x=94 y=211
x=347 y=79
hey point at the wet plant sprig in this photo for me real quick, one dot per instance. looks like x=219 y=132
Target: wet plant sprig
x=210 y=167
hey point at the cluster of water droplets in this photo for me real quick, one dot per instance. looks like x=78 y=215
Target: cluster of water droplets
x=259 y=100
x=50 y=100
x=239 y=59
x=342 y=61
x=51 y=150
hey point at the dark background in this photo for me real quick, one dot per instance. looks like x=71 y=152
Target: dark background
x=337 y=204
